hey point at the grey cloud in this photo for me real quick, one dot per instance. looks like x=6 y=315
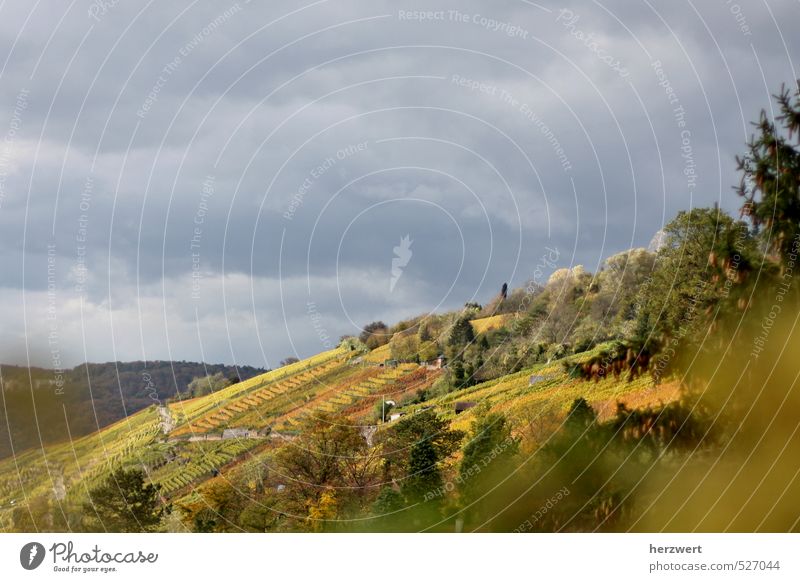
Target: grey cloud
x=149 y=137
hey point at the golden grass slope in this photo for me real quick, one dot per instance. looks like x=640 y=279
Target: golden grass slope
x=485 y=324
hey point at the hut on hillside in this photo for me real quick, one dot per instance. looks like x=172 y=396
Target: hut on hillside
x=462 y=406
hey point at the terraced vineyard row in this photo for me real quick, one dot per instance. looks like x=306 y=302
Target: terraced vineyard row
x=419 y=379
x=200 y=462
x=348 y=396
x=190 y=409
x=209 y=418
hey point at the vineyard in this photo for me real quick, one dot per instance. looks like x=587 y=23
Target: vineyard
x=379 y=355
x=407 y=385
x=196 y=461
x=170 y=460
x=81 y=464
x=546 y=391
x=226 y=408
x=381 y=381
x=195 y=451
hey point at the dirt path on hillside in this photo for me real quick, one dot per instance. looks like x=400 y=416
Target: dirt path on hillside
x=167 y=422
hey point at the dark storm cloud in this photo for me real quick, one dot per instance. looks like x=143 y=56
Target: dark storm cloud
x=184 y=177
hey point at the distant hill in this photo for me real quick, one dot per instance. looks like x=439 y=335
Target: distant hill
x=35 y=410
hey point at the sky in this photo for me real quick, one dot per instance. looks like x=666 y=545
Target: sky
x=242 y=182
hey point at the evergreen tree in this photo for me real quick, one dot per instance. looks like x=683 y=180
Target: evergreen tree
x=457 y=371
x=487 y=454
x=580 y=417
x=770 y=182
x=424 y=478
x=701 y=267
x=388 y=501
x=125 y=503
x=424 y=332
x=469 y=376
x=462 y=333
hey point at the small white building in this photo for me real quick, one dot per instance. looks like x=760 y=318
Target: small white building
x=239 y=433
x=535 y=379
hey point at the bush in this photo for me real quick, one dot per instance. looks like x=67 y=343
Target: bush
x=405 y=347
x=203 y=385
x=428 y=350
x=557 y=351
x=375 y=334
x=571 y=369
x=583 y=345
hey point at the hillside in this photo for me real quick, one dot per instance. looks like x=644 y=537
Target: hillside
x=182 y=444
x=78 y=401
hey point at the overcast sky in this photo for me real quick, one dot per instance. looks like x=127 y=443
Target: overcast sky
x=228 y=182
